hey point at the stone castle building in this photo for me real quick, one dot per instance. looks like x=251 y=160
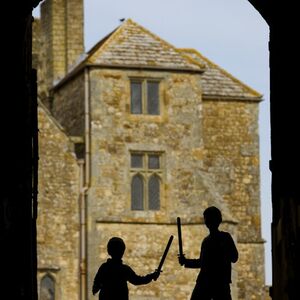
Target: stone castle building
x=133 y=134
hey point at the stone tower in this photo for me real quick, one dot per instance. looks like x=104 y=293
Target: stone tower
x=61 y=32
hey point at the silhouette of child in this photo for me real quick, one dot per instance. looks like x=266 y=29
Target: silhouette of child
x=112 y=276
x=218 y=251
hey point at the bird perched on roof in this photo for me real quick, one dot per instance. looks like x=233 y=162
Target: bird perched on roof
x=122 y=20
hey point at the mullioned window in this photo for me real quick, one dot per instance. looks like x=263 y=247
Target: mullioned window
x=144 y=97
x=146 y=180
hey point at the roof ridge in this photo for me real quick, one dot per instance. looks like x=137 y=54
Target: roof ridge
x=102 y=44
x=98 y=46
x=226 y=73
x=109 y=36
x=45 y=109
x=42 y=107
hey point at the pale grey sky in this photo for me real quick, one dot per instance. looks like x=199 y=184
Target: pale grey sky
x=231 y=33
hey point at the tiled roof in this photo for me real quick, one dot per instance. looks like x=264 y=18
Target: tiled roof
x=217 y=83
x=132 y=45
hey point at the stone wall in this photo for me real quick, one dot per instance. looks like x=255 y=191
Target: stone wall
x=57 y=43
x=68 y=106
x=39 y=61
x=187 y=188
x=251 y=283
x=210 y=157
x=58 y=209
x=176 y=133
x=145 y=243
x=232 y=157
x=63 y=36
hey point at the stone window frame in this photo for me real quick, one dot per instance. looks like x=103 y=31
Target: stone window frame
x=52 y=278
x=146 y=174
x=53 y=273
x=144 y=80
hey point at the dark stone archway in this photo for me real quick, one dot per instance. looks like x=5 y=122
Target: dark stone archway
x=17 y=206
x=19 y=159
x=285 y=158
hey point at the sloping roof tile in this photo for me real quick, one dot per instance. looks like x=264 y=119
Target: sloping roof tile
x=217 y=83
x=133 y=45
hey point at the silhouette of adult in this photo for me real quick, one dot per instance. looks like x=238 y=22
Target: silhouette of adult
x=218 y=251
x=112 y=276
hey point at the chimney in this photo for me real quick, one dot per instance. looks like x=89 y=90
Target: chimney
x=62 y=36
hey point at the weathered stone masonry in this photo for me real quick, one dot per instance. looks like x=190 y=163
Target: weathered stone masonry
x=58 y=215
x=207 y=136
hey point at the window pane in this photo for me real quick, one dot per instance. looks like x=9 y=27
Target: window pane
x=137 y=193
x=47 y=288
x=154 y=192
x=136 y=97
x=152 y=98
x=153 y=162
x=136 y=161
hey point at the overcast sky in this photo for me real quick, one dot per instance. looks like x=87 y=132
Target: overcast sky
x=231 y=33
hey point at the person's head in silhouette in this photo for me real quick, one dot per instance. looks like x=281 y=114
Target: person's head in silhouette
x=212 y=218
x=116 y=247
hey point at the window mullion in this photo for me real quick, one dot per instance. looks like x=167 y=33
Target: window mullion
x=144 y=96
x=146 y=182
x=144 y=166
x=146 y=192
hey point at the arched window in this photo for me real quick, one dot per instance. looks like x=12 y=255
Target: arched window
x=146 y=170
x=47 y=288
x=154 y=192
x=137 y=193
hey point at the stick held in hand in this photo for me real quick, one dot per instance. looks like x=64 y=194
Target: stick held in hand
x=179 y=236
x=162 y=260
